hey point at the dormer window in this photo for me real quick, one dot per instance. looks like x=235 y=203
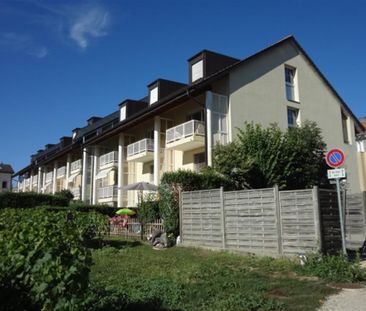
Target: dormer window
x=197 y=70
x=154 y=95
x=123 y=113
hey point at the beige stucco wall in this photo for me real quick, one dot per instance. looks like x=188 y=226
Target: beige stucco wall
x=257 y=93
x=361 y=160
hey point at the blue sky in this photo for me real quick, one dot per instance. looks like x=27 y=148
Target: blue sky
x=64 y=61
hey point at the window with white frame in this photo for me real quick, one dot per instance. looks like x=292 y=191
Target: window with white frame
x=123 y=113
x=292 y=117
x=154 y=95
x=291 y=85
x=199 y=115
x=197 y=70
x=220 y=107
x=345 y=128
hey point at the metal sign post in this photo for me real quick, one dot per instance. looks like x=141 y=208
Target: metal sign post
x=335 y=158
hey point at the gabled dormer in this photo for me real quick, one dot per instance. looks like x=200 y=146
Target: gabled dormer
x=130 y=107
x=205 y=63
x=162 y=88
x=75 y=132
x=92 y=120
x=65 y=141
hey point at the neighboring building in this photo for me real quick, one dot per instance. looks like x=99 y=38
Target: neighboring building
x=6 y=171
x=177 y=124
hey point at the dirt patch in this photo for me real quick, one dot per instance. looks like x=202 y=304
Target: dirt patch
x=294 y=275
x=346 y=285
x=276 y=293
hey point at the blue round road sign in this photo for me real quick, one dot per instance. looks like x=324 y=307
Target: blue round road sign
x=335 y=158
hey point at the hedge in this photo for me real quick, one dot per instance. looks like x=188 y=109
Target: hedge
x=30 y=199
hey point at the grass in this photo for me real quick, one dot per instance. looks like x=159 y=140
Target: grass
x=195 y=279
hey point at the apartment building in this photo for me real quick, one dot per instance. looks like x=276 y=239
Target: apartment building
x=361 y=148
x=176 y=125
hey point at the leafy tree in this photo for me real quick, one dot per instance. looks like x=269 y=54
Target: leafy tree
x=263 y=157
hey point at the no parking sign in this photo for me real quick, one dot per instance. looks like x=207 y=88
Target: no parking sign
x=335 y=158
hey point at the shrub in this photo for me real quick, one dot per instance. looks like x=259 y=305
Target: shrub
x=30 y=199
x=335 y=268
x=148 y=209
x=102 y=209
x=44 y=263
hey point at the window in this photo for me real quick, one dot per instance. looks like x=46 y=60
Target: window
x=220 y=109
x=123 y=113
x=197 y=70
x=345 y=128
x=4 y=185
x=290 y=78
x=199 y=160
x=154 y=95
x=292 y=117
x=199 y=115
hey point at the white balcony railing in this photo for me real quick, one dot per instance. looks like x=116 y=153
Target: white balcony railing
x=49 y=176
x=107 y=192
x=27 y=182
x=111 y=157
x=143 y=145
x=61 y=171
x=193 y=127
x=76 y=192
x=34 y=179
x=76 y=165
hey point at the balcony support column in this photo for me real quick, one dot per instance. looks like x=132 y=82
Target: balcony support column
x=39 y=177
x=84 y=176
x=121 y=141
x=95 y=171
x=208 y=105
x=31 y=182
x=23 y=184
x=44 y=181
x=68 y=165
x=54 y=178
x=156 y=150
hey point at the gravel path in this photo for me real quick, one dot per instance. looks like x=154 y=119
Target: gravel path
x=346 y=300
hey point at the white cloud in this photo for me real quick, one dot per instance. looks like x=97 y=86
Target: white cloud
x=22 y=43
x=92 y=23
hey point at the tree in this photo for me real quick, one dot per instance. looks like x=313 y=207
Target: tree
x=263 y=157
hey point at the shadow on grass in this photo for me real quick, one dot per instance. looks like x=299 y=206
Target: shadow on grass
x=118 y=244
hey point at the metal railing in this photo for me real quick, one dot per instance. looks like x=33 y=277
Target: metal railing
x=193 y=127
x=143 y=145
x=111 y=157
x=107 y=192
x=76 y=165
x=49 y=176
x=61 y=171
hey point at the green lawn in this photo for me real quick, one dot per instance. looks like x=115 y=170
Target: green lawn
x=195 y=279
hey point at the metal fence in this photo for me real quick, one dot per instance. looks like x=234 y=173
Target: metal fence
x=133 y=228
x=268 y=221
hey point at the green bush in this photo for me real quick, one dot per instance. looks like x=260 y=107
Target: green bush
x=30 y=199
x=335 y=268
x=102 y=209
x=148 y=209
x=44 y=263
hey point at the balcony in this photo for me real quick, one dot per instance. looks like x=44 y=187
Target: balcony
x=76 y=166
x=141 y=151
x=108 y=160
x=49 y=177
x=61 y=172
x=186 y=136
x=27 y=182
x=106 y=194
x=76 y=192
x=34 y=180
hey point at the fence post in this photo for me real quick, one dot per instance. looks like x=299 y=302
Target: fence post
x=180 y=199
x=317 y=223
x=278 y=218
x=222 y=203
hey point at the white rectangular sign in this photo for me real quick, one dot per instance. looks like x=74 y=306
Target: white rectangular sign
x=337 y=173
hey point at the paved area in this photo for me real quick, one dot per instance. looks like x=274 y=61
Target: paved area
x=346 y=300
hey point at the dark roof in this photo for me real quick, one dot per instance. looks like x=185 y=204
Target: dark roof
x=6 y=168
x=203 y=84
x=97 y=125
